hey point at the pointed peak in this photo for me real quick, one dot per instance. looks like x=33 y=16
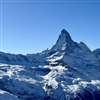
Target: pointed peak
x=65 y=35
x=63 y=41
x=64 y=31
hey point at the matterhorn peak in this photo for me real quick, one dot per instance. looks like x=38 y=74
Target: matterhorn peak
x=63 y=41
x=65 y=35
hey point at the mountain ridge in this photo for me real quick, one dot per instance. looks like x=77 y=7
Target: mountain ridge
x=67 y=71
x=63 y=44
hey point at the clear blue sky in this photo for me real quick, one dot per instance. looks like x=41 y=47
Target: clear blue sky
x=30 y=26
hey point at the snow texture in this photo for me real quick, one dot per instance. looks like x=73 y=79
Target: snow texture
x=67 y=71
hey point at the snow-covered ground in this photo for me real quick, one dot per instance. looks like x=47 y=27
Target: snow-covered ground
x=68 y=71
x=7 y=96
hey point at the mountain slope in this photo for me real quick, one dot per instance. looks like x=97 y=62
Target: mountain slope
x=67 y=71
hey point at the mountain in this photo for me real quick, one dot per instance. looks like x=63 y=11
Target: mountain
x=97 y=53
x=67 y=71
x=64 y=41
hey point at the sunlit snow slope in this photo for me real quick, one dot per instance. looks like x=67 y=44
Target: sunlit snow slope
x=67 y=71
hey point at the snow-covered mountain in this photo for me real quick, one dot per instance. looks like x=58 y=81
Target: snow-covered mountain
x=67 y=71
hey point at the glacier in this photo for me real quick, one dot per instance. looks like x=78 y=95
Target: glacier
x=67 y=71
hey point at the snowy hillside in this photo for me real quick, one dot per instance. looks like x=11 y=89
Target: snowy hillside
x=67 y=71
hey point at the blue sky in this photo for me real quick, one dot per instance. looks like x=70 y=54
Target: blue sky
x=29 y=26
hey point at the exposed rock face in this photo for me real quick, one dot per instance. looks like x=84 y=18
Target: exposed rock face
x=97 y=53
x=63 y=42
x=68 y=71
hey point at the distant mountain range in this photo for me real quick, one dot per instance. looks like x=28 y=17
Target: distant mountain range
x=67 y=71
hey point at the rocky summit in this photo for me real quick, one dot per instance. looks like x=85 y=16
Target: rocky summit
x=67 y=71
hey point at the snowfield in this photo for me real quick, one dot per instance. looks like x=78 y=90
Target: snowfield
x=68 y=71
x=7 y=96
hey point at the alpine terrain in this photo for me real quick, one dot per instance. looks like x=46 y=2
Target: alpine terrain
x=67 y=71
